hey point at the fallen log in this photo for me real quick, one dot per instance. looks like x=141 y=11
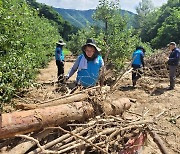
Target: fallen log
x=63 y=100
x=67 y=100
x=116 y=107
x=70 y=98
x=16 y=123
x=28 y=121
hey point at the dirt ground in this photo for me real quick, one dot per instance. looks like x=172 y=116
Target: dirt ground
x=151 y=99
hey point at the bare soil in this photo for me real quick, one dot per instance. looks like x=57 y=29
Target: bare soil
x=151 y=98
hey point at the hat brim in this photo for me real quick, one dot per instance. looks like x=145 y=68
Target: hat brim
x=171 y=43
x=91 y=44
x=60 y=43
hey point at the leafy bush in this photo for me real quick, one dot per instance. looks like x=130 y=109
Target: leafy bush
x=27 y=43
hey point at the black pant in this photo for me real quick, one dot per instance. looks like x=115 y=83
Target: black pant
x=172 y=75
x=136 y=73
x=60 y=74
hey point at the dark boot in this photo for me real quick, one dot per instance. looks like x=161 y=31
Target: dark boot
x=172 y=85
x=170 y=88
x=61 y=78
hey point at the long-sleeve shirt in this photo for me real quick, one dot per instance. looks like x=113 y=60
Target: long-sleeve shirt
x=174 y=57
x=87 y=76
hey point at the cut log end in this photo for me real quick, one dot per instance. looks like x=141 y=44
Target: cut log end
x=116 y=107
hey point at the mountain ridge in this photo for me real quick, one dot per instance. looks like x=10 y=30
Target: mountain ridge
x=82 y=18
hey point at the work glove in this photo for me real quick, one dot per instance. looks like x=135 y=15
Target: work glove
x=143 y=68
x=66 y=78
x=63 y=62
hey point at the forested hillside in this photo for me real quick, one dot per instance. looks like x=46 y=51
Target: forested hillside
x=82 y=18
x=64 y=27
x=78 y=18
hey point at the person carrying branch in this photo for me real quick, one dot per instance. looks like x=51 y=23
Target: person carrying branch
x=87 y=65
x=59 y=55
x=137 y=64
x=173 y=62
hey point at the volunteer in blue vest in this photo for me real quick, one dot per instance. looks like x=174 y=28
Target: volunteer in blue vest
x=173 y=62
x=137 y=64
x=59 y=55
x=87 y=65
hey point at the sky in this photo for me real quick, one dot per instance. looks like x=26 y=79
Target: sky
x=129 y=5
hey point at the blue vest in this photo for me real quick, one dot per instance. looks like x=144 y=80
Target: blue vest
x=59 y=55
x=89 y=77
x=137 y=57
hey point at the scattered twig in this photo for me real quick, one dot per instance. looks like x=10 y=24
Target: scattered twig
x=82 y=138
x=68 y=95
x=34 y=140
x=24 y=100
x=158 y=141
x=25 y=146
x=65 y=138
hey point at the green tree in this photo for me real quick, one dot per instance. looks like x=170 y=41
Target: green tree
x=105 y=11
x=144 y=8
x=78 y=40
x=169 y=31
x=142 y=19
x=120 y=40
x=161 y=24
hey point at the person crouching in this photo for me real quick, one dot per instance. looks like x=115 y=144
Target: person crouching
x=87 y=65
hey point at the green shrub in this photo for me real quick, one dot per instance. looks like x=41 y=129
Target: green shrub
x=27 y=43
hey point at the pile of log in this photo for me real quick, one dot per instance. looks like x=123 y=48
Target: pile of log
x=93 y=126
x=101 y=134
x=37 y=117
x=156 y=64
x=110 y=134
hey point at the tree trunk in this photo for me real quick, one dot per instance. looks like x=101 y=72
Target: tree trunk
x=54 y=102
x=66 y=100
x=32 y=120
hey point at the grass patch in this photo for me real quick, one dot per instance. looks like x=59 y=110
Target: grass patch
x=66 y=51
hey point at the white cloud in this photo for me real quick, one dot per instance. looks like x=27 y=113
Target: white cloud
x=71 y=4
x=129 y=5
x=159 y=2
